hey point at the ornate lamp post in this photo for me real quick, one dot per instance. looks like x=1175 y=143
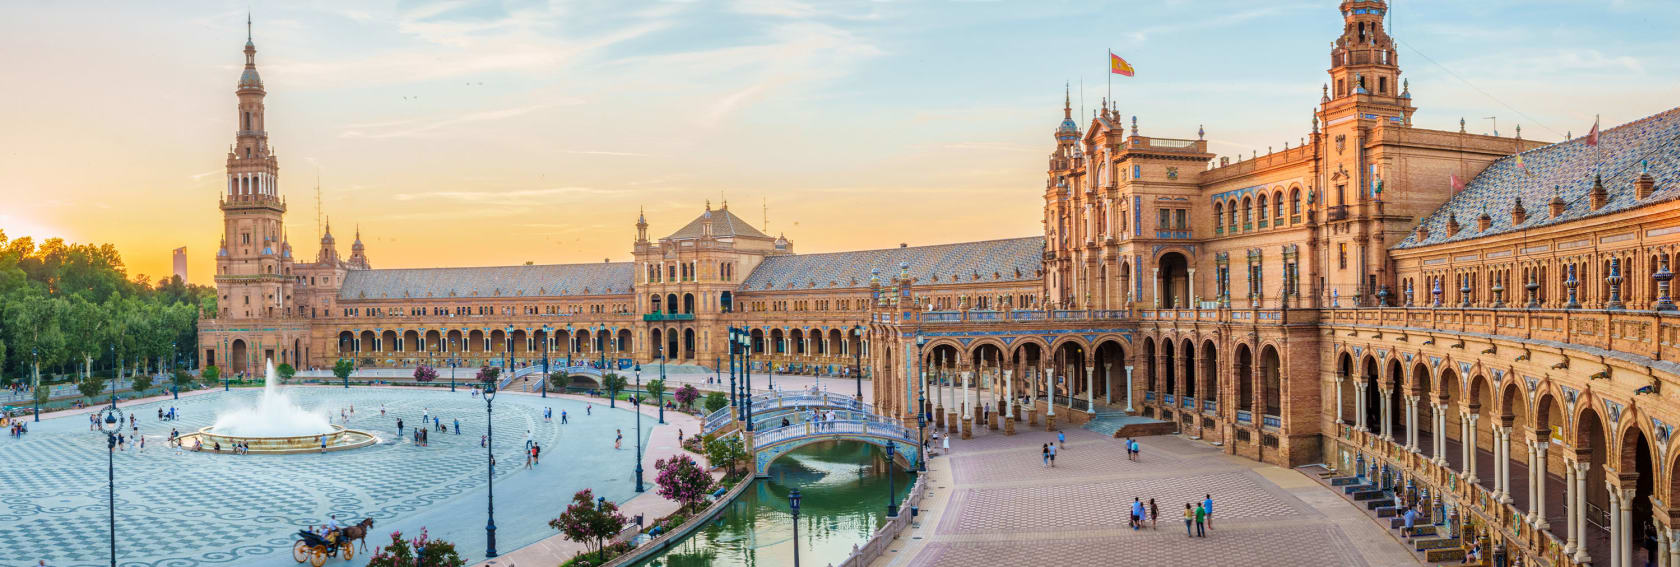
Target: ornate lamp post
x=507 y=353
x=36 y=353
x=892 y=490
x=857 y=359
x=636 y=401
x=547 y=337
x=110 y=423
x=174 y=361
x=490 y=456
x=660 y=401
x=230 y=368
x=454 y=361
x=734 y=394
x=793 y=504
x=746 y=376
x=571 y=343
x=921 y=404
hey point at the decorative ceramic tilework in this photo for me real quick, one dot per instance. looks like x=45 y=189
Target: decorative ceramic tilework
x=1010 y=260
x=495 y=281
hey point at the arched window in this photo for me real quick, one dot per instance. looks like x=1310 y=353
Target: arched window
x=1294 y=202
x=1262 y=210
x=1277 y=208
x=1248 y=213
x=1231 y=207
x=1218 y=218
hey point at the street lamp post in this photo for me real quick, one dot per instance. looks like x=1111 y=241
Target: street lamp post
x=793 y=504
x=660 y=401
x=490 y=456
x=857 y=359
x=507 y=353
x=734 y=394
x=230 y=364
x=175 y=360
x=571 y=344
x=637 y=402
x=110 y=423
x=547 y=337
x=892 y=490
x=921 y=405
x=454 y=361
x=746 y=377
x=35 y=392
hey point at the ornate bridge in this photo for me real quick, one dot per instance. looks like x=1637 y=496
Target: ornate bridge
x=770 y=444
x=777 y=404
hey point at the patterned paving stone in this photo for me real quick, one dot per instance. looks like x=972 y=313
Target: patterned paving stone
x=1280 y=546
x=189 y=510
x=1106 y=504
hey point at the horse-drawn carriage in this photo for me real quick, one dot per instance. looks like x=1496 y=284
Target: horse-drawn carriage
x=316 y=548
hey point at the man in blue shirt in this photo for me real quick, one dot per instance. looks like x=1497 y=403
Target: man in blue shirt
x=1137 y=512
x=1207 y=505
x=1411 y=520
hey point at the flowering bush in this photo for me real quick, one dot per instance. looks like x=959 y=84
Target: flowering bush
x=489 y=374
x=687 y=394
x=425 y=374
x=682 y=480
x=589 y=521
x=418 y=552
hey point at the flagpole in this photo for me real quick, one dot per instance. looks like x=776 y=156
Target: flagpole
x=1110 y=64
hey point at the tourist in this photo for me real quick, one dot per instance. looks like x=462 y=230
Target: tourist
x=562 y=417
x=1137 y=450
x=1045 y=450
x=536 y=453
x=323 y=443
x=436 y=425
x=382 y=410
x=1061 y=439
x=1053 y=450
x=528 y=439
x=945 y=446
x=679 y=436
x=160 y=413
x=425 y=416
x=1137 y=513
x=399 y=427
x=1189 y=517
x=619 y=443
x=528 y=456
x=589 y=409
x=483 y=441
x=1207 y=507
x=457 y=426
x=1129 y=456
x=1410 y=518
x=1154 y=514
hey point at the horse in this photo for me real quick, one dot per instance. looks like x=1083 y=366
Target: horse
x=358 y=532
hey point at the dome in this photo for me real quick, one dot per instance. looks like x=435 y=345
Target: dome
x=268 y=251
x=222 y=252
x=1068 y=131
x=250 y=79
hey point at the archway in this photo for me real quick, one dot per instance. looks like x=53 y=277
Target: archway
x=346 y=343
x=1373 y=396
x=1187 y=353
x=1269 y=376
x=1111 y=371
x=1169 y=370
x=238 y=361
x=688 y=344
x=1149 y=366
x=1245 y=378
x=1447 y=392
x=1426 y=411
x=1637 y=458
x=1174 y=280
x=388 y=342
x=1548 y=426
x=1590 y=447
x=688 y=303
x=797 y=338
x=1210 y=374
x=1346 y=402
x=1396 y=400
x=654 y=338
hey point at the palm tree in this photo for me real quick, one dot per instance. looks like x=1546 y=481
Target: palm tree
x=614 y=384
x=657 y=388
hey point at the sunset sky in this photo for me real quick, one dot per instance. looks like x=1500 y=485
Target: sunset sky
x=458 y=133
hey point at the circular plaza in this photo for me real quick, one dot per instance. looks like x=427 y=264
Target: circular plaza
x=180 y=508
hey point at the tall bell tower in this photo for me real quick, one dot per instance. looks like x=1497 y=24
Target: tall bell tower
x=253 y=264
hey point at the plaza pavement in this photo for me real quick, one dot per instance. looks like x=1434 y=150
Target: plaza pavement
x=991 y=502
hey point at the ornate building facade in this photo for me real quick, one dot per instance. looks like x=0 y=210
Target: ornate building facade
x=1486 y=320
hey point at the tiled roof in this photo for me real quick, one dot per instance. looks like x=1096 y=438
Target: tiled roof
x=724 y=223
x=1567 y=170
x=496 y=281
x=1011 y=260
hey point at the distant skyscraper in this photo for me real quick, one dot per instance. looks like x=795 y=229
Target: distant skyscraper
x=181 y=263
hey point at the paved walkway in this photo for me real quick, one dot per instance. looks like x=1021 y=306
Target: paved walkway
x=662 y=444
x=991 y=502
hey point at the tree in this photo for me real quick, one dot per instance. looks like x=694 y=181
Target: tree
x=343 y=368
x=182 y=379
x=680 y=479
x=715 y=401
x=726 y=452
x=425 y=374
x=614 y=384
x=142 y=382
x=589 y=521
x=489 y=374
x=285 y=371
x=687 y=394
x=90 y=386
x=420 y=551
x=657 y=388
x=559 y=380
x=211 y=373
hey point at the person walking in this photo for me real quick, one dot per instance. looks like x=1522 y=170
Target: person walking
x=1410 y=518
x=399 y=427
x=1154 y=514
x=1207 y=507
x=1137 y=513
x=457 y=426
x=562 y=417
x=1046 y=451
x=1061 y=439
x=1189 y=516
x=1052 y=456
x=619 y=442
x=1137 y=450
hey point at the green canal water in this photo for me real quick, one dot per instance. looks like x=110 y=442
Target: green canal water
x=843 y=488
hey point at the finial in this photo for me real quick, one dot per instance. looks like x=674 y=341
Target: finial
x=708 y=204
x=1461 y=124
x=1519 y=131
x=1067 y=100
x=1134 y=125
x=1201 y=134
x=1326 y=89
x=247 y=26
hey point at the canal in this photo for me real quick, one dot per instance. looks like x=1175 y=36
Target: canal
x=843 y=487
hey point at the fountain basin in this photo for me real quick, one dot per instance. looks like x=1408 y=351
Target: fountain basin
x=339 y=439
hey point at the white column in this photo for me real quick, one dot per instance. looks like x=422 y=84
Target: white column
x=1441 y=434
x=1358 y=405
x=1538 y=485
x=1050 y=384
x=1157 y=286
x=1090 y=390
x=1533 y=483
x=1339 y=417
x=1505 y=465
x=1617 y=530
x=1580 y=512
x=1624 y=539
x=1572 y=509
x=1009 y=390
x=1129 y=388
x=1383 y=411
x=968 y=405
x=1190 y=284
x=1470 y=448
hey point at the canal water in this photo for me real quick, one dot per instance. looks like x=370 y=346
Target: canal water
x=843 y=488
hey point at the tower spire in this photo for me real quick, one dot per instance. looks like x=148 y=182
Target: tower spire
x=1067 y=101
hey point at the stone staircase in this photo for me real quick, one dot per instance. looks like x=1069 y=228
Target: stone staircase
x=1432 y=545
x=1121 y=424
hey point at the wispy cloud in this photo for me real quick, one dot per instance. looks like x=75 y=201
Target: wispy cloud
x=518 y=197
x=601 y=153
x=428 y=127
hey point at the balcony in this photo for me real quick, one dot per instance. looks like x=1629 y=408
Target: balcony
x=1336 y=213
x=668 y=317
x=1210 y=406
x=1172 y=234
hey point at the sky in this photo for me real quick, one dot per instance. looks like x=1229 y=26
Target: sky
x=489 y=133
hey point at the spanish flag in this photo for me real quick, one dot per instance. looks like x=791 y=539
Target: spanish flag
x=1119 y=66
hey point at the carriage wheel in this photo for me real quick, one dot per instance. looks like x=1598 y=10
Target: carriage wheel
x=300 y=552
x=320 y=556
x=349 y=551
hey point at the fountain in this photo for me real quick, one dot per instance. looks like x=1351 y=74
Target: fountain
x=276 y=425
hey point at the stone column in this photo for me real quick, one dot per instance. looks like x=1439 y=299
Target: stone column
x=967 y=406
x=1625 y=538
x=1538 y=486
x=1505 y=464
x=1572 y=508
x=1157 y=286
x=1385 y=408
x=1090 y=390
x=1009 y=391
x=1108 y=383
x=1441 y=434
x=1129 y=389
x=1190 y=286
x=1050 y=405
x=1339 y=417
x=1498 y=478
x=1358 y=406
x=1580 y=512
x=1533 y=484
x=1470 y=448
x=1618 y=529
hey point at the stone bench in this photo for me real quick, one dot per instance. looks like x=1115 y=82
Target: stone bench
x=1388 y=511
x=1429 y=543
x=1443 y=554
x=1344 y=481
x=1371 y=494
x=1352 y=488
